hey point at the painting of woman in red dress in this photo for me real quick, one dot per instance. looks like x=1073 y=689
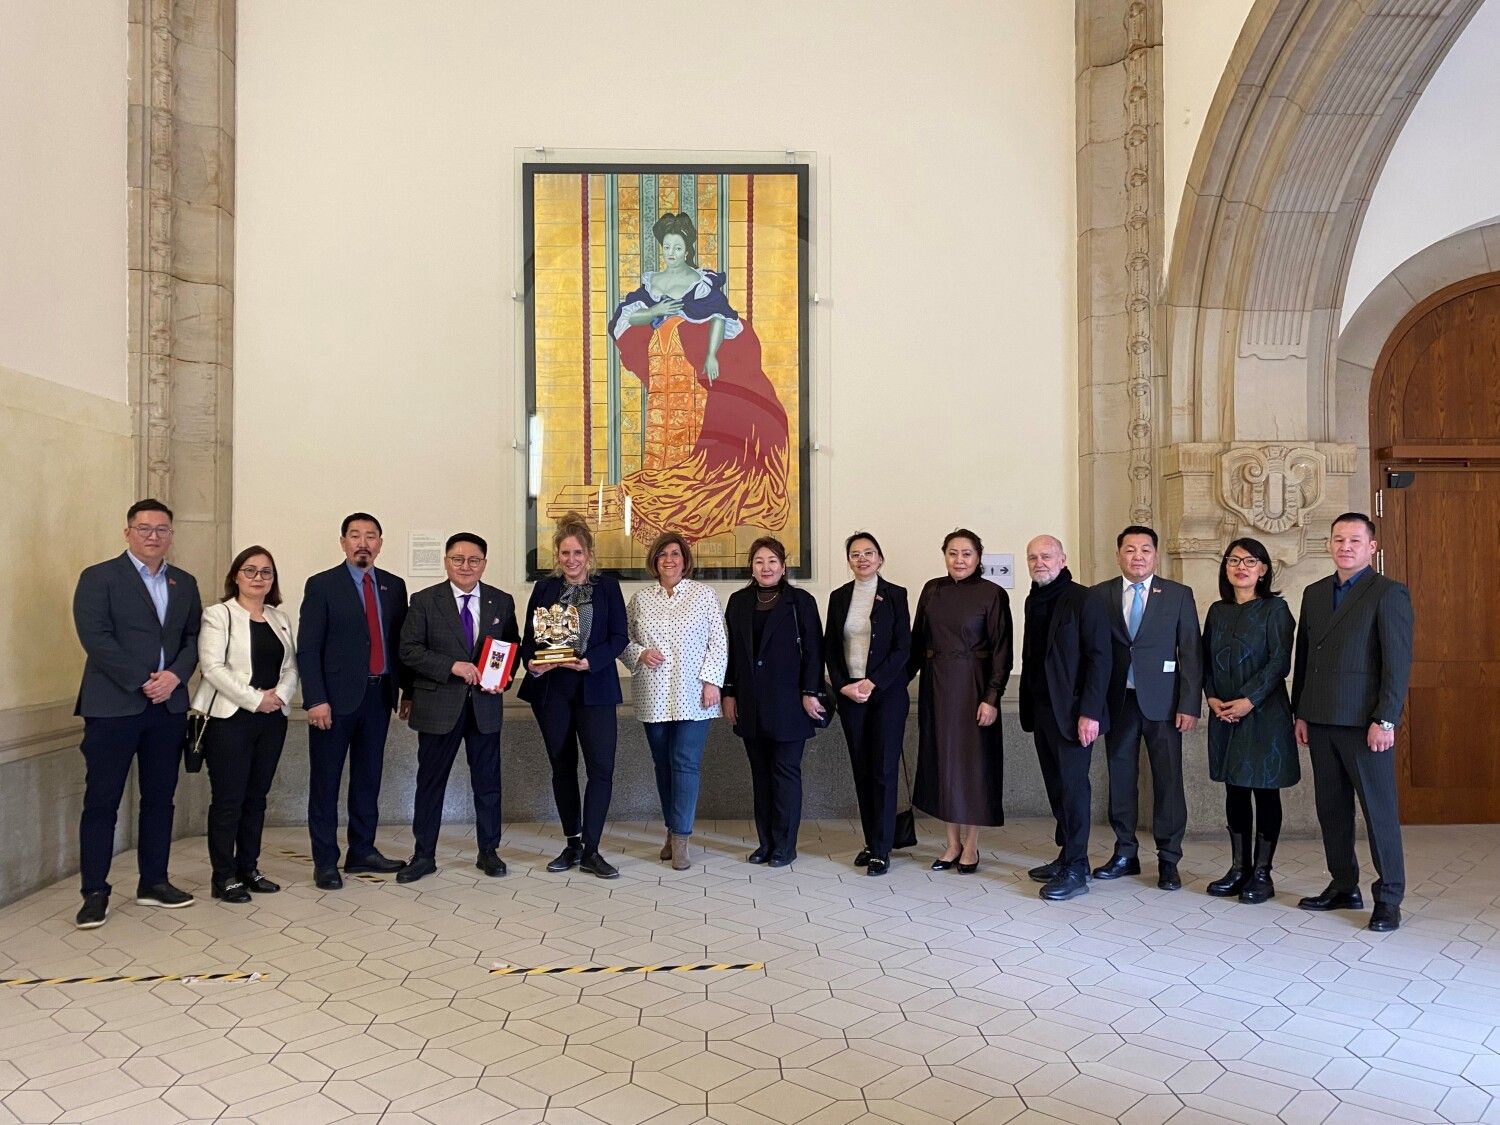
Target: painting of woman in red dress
x=716 y=451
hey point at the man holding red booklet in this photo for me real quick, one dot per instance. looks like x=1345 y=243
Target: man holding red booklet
x=445 y=631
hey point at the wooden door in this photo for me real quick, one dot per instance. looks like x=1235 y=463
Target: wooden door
x=1435 y=424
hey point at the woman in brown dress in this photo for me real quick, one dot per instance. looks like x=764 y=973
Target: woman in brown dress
x=961 y=643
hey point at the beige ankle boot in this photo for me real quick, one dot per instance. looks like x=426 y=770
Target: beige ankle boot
x=666 y=848
x=680 y=852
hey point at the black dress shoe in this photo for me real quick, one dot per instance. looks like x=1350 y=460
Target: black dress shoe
x=258 y=884
x=328 y=879
x=568 y=858
x=1167 y=877
x=759 y=855
x=945 y=864
x=416 y=868
x=1118 y=866
x=1334 y=899
x=1046 y=872
x=877 y=866
x=488 y=862
x=231 y=890
x=372 y=864
x=968 y=868
x=863 y=858
x=163 y=894
x=781 y=860
x=1385 y=917
x=94 y=910
x=597 y=866
x=1067 y=883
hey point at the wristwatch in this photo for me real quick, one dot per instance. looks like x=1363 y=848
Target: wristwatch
x=1383 y=725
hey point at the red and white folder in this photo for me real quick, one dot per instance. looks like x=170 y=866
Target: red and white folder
x=497 y=662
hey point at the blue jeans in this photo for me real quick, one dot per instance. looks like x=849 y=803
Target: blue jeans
x=677 y=751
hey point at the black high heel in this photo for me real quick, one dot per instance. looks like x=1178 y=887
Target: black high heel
x=968 y=868
x=945 y=864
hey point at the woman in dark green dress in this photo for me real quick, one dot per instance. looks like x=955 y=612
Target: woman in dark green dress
x=1247 y=653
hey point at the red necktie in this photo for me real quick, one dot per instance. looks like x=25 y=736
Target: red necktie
x=372 y=619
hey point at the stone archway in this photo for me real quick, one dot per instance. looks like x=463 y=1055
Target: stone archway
x=1243 y=432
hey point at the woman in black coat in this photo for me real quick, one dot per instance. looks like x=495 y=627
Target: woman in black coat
x=574 y=701
x=866 y=645
x=771 y=693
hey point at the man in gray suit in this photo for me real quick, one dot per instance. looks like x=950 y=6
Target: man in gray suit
x=137 y=619
x=1155 y=694
x=1353 y=662
x=441 y=639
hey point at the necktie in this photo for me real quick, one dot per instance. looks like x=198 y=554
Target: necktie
x=1137 y=607
x=468 y=620
x=372 y=619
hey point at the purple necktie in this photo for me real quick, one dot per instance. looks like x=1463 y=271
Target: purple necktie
x=468 y=619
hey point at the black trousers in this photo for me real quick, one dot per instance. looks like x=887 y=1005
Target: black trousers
x=1122 y=747
x=776 y=777
x=1344 y=767
x=241 y=753
x=360 y=737
x=110 y=746
x=875 y=733
x=435 y=756
x=566 y=722
x=1065 y=773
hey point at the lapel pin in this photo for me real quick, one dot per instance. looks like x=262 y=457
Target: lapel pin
x=1156 y=589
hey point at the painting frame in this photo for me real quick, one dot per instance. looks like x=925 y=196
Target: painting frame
x=630 y=473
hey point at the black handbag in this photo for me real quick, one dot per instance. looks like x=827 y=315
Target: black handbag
x=823 y=695
x=197 y=721
x=906 y=819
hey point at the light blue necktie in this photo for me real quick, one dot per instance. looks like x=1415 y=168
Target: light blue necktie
x=1137 y=611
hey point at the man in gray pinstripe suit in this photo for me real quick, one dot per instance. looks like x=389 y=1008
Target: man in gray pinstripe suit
x=1354 y=646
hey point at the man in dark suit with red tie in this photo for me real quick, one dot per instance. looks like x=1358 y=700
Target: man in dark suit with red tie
x=441 y=643
x=352 y=679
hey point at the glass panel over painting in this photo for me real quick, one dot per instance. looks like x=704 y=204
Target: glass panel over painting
x=666 y=343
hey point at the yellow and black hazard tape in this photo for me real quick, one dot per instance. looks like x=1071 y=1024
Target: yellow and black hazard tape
x=132 y=978
x=364 y=876
x=568 y=970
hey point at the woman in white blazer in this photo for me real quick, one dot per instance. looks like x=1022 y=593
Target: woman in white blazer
x=247 y=654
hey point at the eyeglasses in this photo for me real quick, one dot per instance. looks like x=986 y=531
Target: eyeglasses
x=151 y=530
x=860 y=556
x=1241 y=561
x=265 y=572
x=466 y=562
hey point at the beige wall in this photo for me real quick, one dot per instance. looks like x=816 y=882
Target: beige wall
x=65 y=446
x=1198 y=36
x=377 y=347
x=62 y=192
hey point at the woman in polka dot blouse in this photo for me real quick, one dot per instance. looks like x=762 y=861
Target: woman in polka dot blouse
x=677 y=654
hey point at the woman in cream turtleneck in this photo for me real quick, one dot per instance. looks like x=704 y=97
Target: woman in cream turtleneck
x=865 y=646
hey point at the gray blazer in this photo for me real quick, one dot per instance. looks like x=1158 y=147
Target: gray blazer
x=1168 y=636
x=123 y=641
x=432 y=638
x=1353 y=664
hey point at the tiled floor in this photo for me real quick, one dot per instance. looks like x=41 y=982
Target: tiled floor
x=921 y=997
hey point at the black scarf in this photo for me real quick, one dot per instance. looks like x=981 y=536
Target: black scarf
x=1039 y=606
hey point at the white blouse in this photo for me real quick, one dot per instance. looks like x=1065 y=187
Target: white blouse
x=857 y=627
x=687 y=627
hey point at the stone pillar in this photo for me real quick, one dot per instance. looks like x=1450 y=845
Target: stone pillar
x=1120 y=250
x=181 y=283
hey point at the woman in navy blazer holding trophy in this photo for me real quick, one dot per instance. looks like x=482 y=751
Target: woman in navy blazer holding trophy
x=866 y=646
x=771 y=693
x=574 y=700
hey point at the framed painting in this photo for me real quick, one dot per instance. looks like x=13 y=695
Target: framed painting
x=667 y=359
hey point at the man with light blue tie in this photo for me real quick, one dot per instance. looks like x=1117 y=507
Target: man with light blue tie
x=441 y=639
x=1155 y=695
x=137 y=618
